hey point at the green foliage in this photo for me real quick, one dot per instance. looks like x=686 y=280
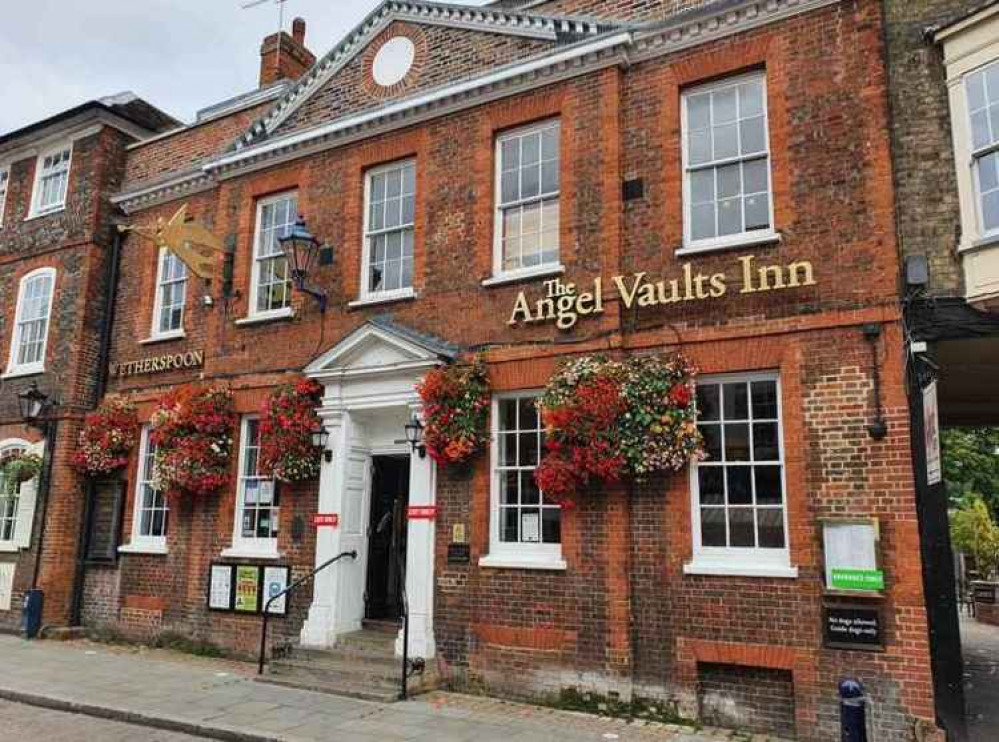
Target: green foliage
x=974 y=532
x=970 y=465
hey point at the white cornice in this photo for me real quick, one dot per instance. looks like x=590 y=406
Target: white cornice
x=179 y=186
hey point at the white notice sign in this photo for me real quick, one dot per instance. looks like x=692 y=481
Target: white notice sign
x=931 y=434
x=275 y=580
x=530 y=528
x=6 y=585
x=220 y=590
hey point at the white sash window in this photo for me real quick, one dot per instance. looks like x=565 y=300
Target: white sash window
x=270 y=289
x=31 y=326
x=51 y=180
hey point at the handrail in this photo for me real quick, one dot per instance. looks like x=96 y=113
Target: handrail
x=404 y=691
x=267 y=606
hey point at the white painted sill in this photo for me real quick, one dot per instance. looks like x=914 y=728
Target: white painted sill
x=386 y=298
x=164 y=338
x=42 y=214
x=18 y=372
x=511 y=562
x=9 y=547
x=526 y=275
x=720 y=569
x=735 y=242
x=149 y=549
x=242 y=552
x=259 y=319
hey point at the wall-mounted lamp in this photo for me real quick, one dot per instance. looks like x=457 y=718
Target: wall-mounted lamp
x=320 y=440
x=33 y=404
x=414 y=435
x=302 y=251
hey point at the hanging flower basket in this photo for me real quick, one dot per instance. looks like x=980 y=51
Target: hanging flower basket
x=22 y=467
x=107 y=439
x=606 y=420
x=456 y=410
x=192 y=430
x=287 y=421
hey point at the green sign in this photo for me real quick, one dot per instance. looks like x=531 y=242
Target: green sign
x=868 y=580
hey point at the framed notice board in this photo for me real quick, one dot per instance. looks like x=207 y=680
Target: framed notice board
x=246 y=588
x=852 y=550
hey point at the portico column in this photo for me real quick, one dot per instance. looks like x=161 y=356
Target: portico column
x=318 y=630
x=420 y=556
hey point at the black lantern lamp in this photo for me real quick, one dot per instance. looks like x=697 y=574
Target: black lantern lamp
x=33 y=404
x=302 y=251
x=414 y=435
x=320 y=439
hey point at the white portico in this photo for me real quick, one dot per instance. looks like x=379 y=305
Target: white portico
x=369 y=379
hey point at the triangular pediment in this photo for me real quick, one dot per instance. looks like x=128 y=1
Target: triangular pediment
x=431 y=45
x=379 y=346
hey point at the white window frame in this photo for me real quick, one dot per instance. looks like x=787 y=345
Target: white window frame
x=4 y=188
x=979 y=154
x=503 y=554
x=9 y=447
x=366 y=294
x=500 y=275
x=249 y=546
x=143 y=543
x=36 y=367
x=744 y=238
x=255 y=313
x=36 y=209
x=24 y=512
x=742 y=561
x=157 y=332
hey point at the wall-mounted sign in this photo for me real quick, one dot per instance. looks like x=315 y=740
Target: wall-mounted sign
x=564 y=303
x=159 y=364
x=852 y=556
x=459 y=554
x=245 y=588
x=931 y=434
x=422 y=512
x=851 y=627
x=326 y=520
x=220 y=587
x=275 y=580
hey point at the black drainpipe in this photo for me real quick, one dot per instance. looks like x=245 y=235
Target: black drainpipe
x=107 y=322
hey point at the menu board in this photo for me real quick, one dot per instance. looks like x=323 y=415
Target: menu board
x=247 y=589
x=275 y=580
x=220 y=587
x=851 y=556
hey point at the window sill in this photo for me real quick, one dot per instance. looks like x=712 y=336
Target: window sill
x=741 y=569
x=245 y=552
x=164 y=338
x=525 y=275
x=513 y=562
x=259 y=319
x=989 y=240
x=734 y=242
x=150 y=549
x=42 y=214
x=9 y=547
x=15 y=373
x=386 y=298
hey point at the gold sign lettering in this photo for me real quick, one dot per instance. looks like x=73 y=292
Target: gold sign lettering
x=563 y=303
x=158 y=364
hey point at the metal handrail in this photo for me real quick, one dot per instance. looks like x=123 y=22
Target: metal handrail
x=404 y=692
x=292 y=586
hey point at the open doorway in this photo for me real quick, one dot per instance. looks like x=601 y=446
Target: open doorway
x=387 y=540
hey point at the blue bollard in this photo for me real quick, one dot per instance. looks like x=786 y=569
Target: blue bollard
x=852 y=711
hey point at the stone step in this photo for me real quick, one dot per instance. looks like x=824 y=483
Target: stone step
x=379 y=693
x=334 y=665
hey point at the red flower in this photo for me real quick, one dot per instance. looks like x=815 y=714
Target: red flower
x=681 y=394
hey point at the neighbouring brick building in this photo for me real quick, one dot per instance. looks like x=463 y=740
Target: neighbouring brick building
x=454 y=160
x=56 y=179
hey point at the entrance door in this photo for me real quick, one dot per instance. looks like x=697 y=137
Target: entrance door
x=387 y=537
x=354 y=538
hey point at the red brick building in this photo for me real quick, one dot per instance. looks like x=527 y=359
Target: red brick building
x=453 y=160
x=56 y=179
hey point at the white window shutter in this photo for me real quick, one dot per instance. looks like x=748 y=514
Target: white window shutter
x=26 y=504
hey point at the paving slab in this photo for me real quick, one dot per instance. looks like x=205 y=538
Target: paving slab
x=218 y=699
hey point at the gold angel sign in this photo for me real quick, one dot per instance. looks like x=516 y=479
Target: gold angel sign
x=193 y=243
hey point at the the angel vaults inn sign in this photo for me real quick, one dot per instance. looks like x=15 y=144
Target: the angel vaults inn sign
x=565 y=303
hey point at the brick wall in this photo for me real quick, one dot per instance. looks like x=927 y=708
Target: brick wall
x=925 y=171
x=751 y=699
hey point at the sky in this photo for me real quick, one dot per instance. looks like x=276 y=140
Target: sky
x=180 y=55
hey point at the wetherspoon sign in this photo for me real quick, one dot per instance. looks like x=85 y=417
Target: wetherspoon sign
x=565 y=303
x=159 y=364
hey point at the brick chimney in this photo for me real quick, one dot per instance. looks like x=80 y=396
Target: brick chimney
x=284 y=57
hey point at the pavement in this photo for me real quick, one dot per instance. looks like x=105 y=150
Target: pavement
x=220 y=700
x=980 y=647
x=21 y=722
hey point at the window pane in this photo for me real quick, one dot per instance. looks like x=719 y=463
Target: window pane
x=980 y=129
x=699 y=145
x=551 y=525
x=528 y=414
x=771 y=523
x=976 y=91
x=529 y=492
x=730 y=216
x=508 y=449
x=713 y=527
x=990 y=211
x=712 y=442
x=740 y=485
x=991 y=83
x=753 y=134
x=755 y=177
x=736 y=401
x=510 y=150
x=530 y=183
x=751 y=99
x=509 y=531
x=703 y=221
x=737 y=442
x=742 y=528
x=549 y=177
x=708 y=404
x=508 y=414
x=729 y=181
x=724 y=106
x=509 y=488
x=768 y=485
x=726 y=140
x=699 y=111
x=711 y=485
x=765 y=446
x=702 y=186
x=764 y=400
x=987 y=174
x=530 y=152
x=757 y=212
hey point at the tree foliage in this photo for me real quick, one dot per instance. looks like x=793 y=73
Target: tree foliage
x=971 y=466
x=974 y=532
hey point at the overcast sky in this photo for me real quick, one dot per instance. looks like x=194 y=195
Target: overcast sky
x=180 y=55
